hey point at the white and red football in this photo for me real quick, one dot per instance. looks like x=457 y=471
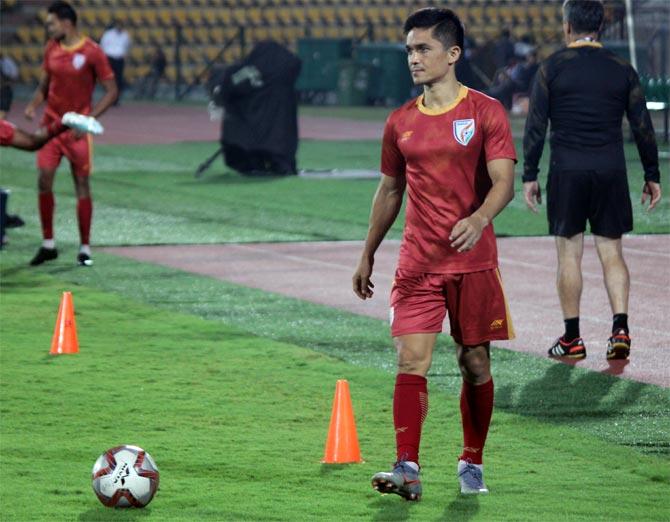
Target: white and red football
x=125 y=476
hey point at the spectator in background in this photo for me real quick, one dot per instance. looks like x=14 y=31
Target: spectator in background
x=115 y=43
x=514 y=79
x=523 y=46
x=149 y=84
x=503 y=50
x=465 y=71
x=9 y=73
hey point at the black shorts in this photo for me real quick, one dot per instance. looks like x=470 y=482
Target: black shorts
x=601 y=197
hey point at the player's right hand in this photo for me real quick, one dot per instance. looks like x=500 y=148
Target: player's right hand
x=29 y=112
x=532 y=194
x=361 y=280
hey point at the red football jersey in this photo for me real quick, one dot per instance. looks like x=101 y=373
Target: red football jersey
x=6 y=133
x=443 y=155
x=73 y=72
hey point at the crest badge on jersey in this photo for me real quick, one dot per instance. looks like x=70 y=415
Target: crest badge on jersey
x=78 y=61
x=464 y=130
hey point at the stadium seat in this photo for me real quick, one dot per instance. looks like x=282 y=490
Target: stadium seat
x=299 y=16
x=284 y=14
x=24 y=35
x=254 y=16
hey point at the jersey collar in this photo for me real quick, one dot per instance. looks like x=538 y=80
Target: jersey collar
x=462 y=93
x=585 y=43
x=73 y=47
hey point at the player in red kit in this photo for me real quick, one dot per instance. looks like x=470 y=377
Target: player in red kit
x=72 y=65
x=451 y=150
x=10 y=136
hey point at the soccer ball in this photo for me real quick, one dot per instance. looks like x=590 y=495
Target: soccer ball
x=125 y=476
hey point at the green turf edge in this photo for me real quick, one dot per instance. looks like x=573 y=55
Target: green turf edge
x=620 y=411
x=237 y=421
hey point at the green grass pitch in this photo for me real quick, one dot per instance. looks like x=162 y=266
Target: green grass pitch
x=230 y=388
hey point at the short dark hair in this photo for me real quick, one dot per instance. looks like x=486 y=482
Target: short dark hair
x=63 y=11
x=584 y=16
x=447 y=27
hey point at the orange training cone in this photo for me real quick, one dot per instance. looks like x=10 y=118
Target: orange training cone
x=65 y=333
x=342 y=442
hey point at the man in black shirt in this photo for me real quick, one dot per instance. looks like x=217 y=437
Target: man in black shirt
x=584 y=90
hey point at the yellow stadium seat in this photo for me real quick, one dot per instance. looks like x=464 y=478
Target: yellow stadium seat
x=332 y=32
x=254 y=16
x=194 y=17
x=328 y=15
x=216 y=35
x=165 y=17
x=299 y=16
x=135 y=18
x=24 y=34
x=188 y=34
x=142 y=36
x=137 y=54
x=270 y=17
x=373 y=14
x=284 y=14
x=212 y=51
x=260 y=33
x=104 y=16
x=179 y=16
x=277 y=33
x=388 y=15
x=551 y=12
x=239 y=16
x=313 y=15
x=318 y=32
x=33 y=54
x=534 y=12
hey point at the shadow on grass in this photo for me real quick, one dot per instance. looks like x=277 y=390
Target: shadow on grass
x=328 y=469
x=102 y=513
x=565 y=394
x=461 y=508
x=390 y=507
x=230 y=178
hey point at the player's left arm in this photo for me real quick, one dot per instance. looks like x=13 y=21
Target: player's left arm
x=645 y=139
x=467 y=232
x=108 y=99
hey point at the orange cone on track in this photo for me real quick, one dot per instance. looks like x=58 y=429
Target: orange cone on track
x=342 y=443
x=65 y=333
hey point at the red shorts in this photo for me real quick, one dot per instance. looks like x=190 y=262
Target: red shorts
x=475 y=301
x=78 y=151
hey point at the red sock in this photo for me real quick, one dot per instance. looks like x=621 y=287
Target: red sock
x=410 y=407
x=46 y=205
x=476 y=410
x=84 y=215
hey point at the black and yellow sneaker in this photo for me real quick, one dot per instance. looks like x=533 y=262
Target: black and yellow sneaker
x=618 y=346
x=574 y=349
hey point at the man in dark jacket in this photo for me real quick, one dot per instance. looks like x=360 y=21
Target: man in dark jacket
x=585 y=90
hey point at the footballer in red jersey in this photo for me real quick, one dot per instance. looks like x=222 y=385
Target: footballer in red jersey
x=73 y=64
x=11 y=136
x=451 y=150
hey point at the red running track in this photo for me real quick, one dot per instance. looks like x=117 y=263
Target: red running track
x=320 y=272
